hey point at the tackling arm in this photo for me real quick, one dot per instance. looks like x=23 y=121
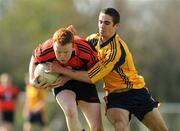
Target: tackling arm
x=76 y=75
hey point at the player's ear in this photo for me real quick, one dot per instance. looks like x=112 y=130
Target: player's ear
x=117 y=26
x=72 y=45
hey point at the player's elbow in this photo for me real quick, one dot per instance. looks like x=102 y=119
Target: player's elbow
x=91 y=82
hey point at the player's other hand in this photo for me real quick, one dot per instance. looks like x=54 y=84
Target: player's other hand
x=61 y=81
x=72 y=29
x=40 y=85
x=74 y=32
x=53 y=67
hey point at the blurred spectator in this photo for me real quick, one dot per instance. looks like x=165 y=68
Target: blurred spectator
x=34 y=108
x=8 y=98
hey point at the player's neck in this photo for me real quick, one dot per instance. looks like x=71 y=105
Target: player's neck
x=104 y=39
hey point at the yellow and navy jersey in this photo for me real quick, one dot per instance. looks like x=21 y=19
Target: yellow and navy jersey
x=34 y=96
x=115 y=66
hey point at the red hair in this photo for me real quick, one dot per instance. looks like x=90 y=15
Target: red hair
x=63 y=36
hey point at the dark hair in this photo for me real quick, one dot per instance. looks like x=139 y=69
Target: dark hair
x=113 y=13
x=63 y=36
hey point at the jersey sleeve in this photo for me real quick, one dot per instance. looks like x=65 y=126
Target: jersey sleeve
x=87 y=54
x=93 y=59
x=93 y=39
x=107 y=61
x=44 y=52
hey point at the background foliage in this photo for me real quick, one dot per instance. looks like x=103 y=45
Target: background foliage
x=150 y=28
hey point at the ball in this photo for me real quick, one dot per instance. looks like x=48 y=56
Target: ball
x=43 y=75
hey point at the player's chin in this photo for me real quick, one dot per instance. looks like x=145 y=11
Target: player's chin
x=63 y=61
x=101 y=32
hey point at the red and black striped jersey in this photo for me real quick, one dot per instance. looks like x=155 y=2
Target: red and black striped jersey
x=8 y=97
x=83 y=56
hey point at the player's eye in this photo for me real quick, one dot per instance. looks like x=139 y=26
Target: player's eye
x=100 y=21
x=107 y=22
x=59 y=52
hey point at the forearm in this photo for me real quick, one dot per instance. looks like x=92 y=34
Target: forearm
x=31 y=70
x=76 y=75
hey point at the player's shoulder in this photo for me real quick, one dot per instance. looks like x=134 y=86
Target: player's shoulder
x=47 y=44
x=80 y=40
x=93 y=39
x=44 y=47
x=93 y=36
x=81 y=43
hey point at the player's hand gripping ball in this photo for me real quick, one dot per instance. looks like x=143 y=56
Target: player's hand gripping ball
x=40 y=72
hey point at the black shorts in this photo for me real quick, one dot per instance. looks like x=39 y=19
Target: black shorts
x=136 y=101
x=8 y=116
x=84 y=91
x=38 y=117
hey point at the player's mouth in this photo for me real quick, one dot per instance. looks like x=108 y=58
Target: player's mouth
x=101 y=31
x=63 y=61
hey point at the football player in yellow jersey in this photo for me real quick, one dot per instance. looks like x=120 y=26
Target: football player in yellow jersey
x=34 y=110
x=125 y=88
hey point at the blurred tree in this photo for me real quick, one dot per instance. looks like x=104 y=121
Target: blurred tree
x=26 y=24
x=150 y=28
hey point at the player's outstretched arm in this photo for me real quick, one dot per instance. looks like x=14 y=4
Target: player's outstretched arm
x=76 y=75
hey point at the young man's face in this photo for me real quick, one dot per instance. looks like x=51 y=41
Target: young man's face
x=106 y=26
x=63 y=52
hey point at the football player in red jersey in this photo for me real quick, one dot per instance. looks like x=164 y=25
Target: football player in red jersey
x=8 y=100
x=63 y=49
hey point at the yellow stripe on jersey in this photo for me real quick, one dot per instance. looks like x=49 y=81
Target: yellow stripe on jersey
x=124 y=77
x=111 y=54
x=115 y=66
x=95 y=71
x=107 y=58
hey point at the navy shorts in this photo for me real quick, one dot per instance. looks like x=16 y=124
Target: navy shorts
x=38 y=117
x=8 y=116
x=84 y=91
x=136 y=101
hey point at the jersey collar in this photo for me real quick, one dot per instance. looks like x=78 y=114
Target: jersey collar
x=106 y=42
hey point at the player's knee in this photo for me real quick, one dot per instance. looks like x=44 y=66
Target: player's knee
x=120 y=125
x=96 y=124
x=163 y=128
x=70 y=113
x=96 y=128
x=160 y=128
